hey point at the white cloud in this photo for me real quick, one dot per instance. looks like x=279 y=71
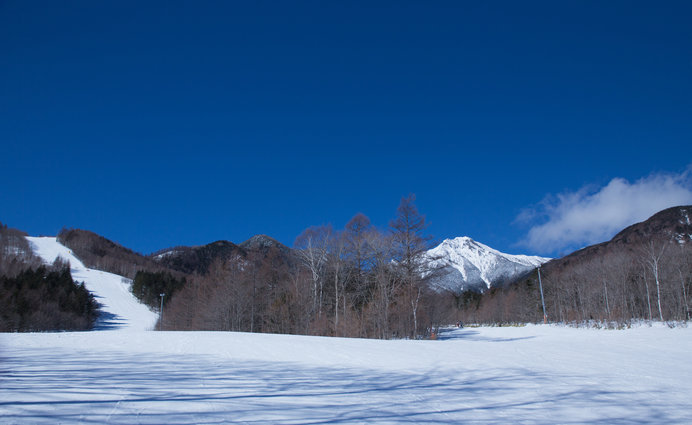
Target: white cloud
x=591 y=214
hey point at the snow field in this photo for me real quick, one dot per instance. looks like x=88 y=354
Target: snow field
x=533 y=374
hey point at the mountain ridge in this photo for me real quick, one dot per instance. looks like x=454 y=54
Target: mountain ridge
x=670 y=224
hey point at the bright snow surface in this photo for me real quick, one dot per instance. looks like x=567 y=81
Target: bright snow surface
x=530 y=375
x=120 y=309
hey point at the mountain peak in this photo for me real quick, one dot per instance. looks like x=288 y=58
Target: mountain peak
x=465 y=242
x=672 y=222
x=259 y=242
x=468 y=264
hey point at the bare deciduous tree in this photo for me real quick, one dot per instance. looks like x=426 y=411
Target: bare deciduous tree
x=652 y=253
x=410 y=244
x=312 y=246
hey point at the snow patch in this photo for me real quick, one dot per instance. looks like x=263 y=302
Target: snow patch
x=166 y=254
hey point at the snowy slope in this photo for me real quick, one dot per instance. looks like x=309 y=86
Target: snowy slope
x=120 y=309
x=467 y=264
x=530 y=375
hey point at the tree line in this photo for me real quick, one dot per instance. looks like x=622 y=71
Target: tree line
x=650 y=279
x=147 y=287
x=35 y=297
x=358 y=281
x=15 y=253
x=45 y=299
x=99 y=253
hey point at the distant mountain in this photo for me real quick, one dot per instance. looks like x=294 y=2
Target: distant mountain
x=100 y=253
x=672 y=223
x=198 y=259
x=469 y=265
x=103 y=254
x=259 y=242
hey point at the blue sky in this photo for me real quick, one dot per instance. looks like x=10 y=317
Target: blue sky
x=180 y=123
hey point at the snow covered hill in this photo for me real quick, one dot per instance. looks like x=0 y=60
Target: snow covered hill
x=120 y=309
x=467 y=264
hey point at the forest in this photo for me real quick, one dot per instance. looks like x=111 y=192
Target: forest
x=15 y=252
x=361 y=281
x=358 y=281
x=35 y=297
x=648 y=279
x=42 y=299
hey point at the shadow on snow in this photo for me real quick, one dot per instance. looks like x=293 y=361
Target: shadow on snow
x=106 y=320
x=447 y=334
x=108 y=387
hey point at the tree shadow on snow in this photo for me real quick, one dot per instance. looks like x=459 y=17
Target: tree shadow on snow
x=109 y=387
x=107 y=320
x=447 y=334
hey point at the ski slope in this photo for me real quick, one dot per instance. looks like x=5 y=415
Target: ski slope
x=528 y=375
x=120 y=309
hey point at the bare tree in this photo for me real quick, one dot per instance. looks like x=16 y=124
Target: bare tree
x=312 y=246
x=683 y=284
x=653 y=252
x=386 y=283
x=339 y=274
x=410 y=245
x=358 y=256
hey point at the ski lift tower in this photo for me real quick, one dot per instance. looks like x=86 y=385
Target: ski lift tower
x=161 y=311
x=540 y=285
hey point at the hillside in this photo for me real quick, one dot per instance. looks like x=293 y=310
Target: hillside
x=119 y=308
x=15 y=252
x=643 y=272
x=197 y=259
x=671 y=226
x=100 y=253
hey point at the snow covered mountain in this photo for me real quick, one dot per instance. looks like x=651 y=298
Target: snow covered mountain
x=469 y=265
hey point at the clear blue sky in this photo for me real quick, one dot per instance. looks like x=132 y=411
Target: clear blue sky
x=180 y=123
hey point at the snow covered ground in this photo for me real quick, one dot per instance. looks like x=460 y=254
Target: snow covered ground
x=120 y=309
x=124 y=374
x=534 y=374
